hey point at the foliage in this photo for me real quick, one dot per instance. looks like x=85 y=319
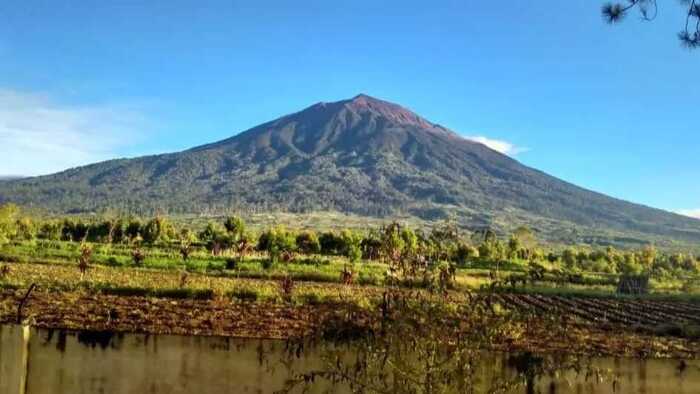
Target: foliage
x=235 y=226
x=158 y=229
x=8 y=220
x=308 y=243
x=648 y=9
x=277 y=242
x=352 y=243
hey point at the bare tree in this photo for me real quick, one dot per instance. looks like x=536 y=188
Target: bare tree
x=648 y=9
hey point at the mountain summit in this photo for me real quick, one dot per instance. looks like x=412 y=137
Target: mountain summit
x=364 y=156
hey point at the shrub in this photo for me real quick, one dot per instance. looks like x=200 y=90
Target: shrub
x=308 y=243
x=49 y=231
x=138 y=256
x=235 y=226
x=84 y=259
x=244 y=294
x=352 y=245
x=465 y=253
x=266 y=264
x=331 y=243
x=277 y=242
x=231 y=264
x=157 y=229
x=133 y=230
x=8 y=221
x=286 y=286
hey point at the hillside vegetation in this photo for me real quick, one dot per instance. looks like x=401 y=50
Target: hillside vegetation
x=362 y=156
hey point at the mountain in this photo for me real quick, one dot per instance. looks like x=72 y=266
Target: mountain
x=364 y=156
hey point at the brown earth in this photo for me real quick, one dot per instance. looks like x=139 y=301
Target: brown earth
x=78 y=310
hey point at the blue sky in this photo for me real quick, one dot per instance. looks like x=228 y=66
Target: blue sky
x=610 y=108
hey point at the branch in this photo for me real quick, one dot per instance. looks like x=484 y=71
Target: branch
x=21 y=303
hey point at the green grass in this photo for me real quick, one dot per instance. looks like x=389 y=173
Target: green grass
x=321 y=269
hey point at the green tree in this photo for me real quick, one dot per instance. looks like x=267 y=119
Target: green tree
x=211 y=233
x=133 y=230
x=569 y=257
x=629 y=265
x=513 y=247
x=352 y=245
x=647 y=257
x=155 y=230
x=235 y=226
x=308 y=242
x=277 y=241
x=50 y=231
x=8 y=222
x=25 y=229
x=466 y=253
x=392 y=243
x=331 y=243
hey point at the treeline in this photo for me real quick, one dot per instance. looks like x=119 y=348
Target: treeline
x=396 y=243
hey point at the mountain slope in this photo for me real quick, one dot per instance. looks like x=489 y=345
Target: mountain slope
x=362 y=155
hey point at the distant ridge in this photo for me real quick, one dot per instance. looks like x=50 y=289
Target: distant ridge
x=364 y=156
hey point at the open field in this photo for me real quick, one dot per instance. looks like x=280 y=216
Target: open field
x=202 y=297
x=224 y=279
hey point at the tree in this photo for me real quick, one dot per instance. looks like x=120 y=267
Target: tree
x=50 y=231
x=277 y=242
x=158 y=229
x=133 y=230
x=352 y=245
x=235 y=226
x=25 y=229
x=569 y=258
x=8 y=222
x=308 y=243
x=331 y=243
x=629 y=265
x=465 y=253
x=648 y=257
x=513 y=247
x=648 y=9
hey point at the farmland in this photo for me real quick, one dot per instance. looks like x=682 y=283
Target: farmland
x=227 y=280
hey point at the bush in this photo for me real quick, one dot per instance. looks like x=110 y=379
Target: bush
x=133 y=230
x=235 y=226
x=8 y=221
x=331 y=243
x=49 y=231
x=277 y=242
x=308 y=243
x=231 y=264
x=466 y=253
x=352 y=245
x=244 y=294
x=158 y=229
x=266 y=264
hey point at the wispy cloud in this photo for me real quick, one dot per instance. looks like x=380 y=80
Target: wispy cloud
x=693 y=213
x=39 y=136
x=501 y=146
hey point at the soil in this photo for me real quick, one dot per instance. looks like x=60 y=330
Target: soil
x=76 y=310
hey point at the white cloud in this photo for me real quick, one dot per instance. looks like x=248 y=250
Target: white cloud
x=501 y=146
x=693 y=213
x=39 y=136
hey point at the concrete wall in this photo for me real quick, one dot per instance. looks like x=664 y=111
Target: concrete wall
x=62 y=362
